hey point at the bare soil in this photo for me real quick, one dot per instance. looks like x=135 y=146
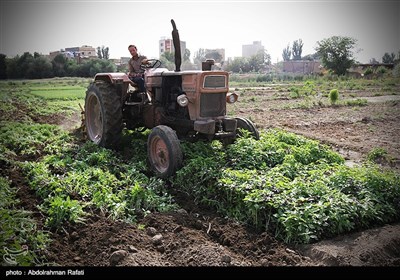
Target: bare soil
x=353 y=131
x=194 y=236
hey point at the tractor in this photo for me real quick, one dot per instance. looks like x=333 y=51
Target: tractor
x=177 y=106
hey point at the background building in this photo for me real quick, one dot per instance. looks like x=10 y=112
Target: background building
x=253 y=49
x=167 y=45
x=83 y=52
x=80 y=54
x=67 y=54
x=302 y=66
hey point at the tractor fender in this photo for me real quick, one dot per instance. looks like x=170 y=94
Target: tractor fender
x=114 y=78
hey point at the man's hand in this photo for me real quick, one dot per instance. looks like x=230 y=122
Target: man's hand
x=133 y=75
x=145 y=61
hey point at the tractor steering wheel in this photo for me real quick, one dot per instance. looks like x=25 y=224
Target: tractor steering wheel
x=151 y=63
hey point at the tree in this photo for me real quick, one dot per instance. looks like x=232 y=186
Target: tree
x=238 y=65
x=397 y=60
x=71 y=68
x=40 y=67
x=170 y=56
x=259 y=61
x=186 y=55
x=214 y=55
x=297 y=49
x=311 y=57
x=103 y=52
x=373 y=61
x=94 y=66
x=287 y=53
x=255 y=63
x=199 y=57
x=388 y=58
x=336 y=53
x=3 y=67
x=168 y=60
x=12 y=68
x=23 y=64
x=59 y=65
x=187 y=65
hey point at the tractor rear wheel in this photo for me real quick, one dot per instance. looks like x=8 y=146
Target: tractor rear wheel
x=103 y=114
x=164 y=151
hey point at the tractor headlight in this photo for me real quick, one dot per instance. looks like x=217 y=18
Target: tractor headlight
x=182 y=100
x=231 y=97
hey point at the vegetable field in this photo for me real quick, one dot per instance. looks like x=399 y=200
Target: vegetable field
x=326 y=165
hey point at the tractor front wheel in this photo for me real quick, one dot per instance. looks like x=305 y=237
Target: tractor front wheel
x=246 y=124
x=164 y=151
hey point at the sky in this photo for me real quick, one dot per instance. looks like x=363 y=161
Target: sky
x=45 y=26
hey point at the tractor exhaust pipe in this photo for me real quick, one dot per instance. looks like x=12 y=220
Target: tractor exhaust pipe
x=177 y=46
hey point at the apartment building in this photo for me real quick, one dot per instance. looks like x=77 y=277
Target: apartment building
x=167 y=45
x=253 y=49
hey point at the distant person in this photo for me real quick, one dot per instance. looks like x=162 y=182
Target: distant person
x=136 y=73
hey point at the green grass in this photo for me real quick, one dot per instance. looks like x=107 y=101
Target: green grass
x=356 y=102
x=60 y=93
x=29 y=100
x=66 y=107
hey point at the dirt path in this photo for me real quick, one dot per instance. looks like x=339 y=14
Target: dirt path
x=373 y=247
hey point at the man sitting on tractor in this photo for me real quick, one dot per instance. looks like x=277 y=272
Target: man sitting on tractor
x=136 y=73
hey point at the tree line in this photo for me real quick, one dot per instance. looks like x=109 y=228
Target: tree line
x=335 y=53
x=37 y=66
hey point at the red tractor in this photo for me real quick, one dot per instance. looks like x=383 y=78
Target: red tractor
x=177 y=106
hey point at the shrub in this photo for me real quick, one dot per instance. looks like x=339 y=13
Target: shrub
x=396 y=71
x=379 y=155
x=357 y=102
x=381 y=70
x=333 y=96
x=368 y=71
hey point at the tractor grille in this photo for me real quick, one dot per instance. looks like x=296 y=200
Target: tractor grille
x=212 y=104
x=214 y=81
